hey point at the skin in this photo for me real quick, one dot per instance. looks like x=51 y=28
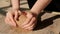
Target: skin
x=31 y=20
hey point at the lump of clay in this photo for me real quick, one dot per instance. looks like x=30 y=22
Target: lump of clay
x=21 y=19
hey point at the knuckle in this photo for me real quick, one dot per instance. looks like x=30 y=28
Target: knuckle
x=29 y=15
x=8 y=14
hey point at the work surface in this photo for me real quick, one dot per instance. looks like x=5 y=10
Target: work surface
x=48 y=23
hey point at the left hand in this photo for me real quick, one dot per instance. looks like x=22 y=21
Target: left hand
x=30 y=22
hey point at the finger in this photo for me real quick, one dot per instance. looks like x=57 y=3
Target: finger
x=30 y=27
x=31 y=22
x=29 y=15
x=5 y=19
x=8 y=21
x=10 y=16
x=13 y=24
x=16 y=15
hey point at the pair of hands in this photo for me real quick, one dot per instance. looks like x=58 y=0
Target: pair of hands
x=12 y=16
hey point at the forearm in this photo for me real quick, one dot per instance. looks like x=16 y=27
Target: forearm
x=15 y=4
x=40 y=5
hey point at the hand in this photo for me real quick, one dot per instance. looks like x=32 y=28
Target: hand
x=11 y=16
x=30 y=22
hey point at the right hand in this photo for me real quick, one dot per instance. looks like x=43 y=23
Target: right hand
x=11 y=16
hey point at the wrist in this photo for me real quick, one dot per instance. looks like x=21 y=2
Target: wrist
x=34 y=12
x=15 y=8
